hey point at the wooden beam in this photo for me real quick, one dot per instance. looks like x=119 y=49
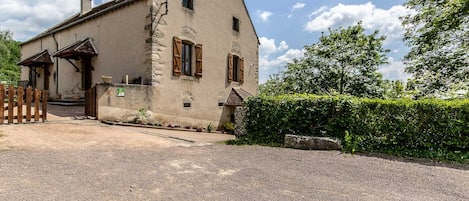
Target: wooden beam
x=44 y=105
x=28 y=103
x=20 y=104
x=37 y=97
x=11 y=96
x=2 y=104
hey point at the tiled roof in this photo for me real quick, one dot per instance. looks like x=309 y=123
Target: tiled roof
x=99 y=11
x=83 y=47
x=237 y=96
x=79 y=18
x=37 y=60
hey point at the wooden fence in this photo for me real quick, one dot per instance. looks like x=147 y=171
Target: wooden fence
x=21 y=105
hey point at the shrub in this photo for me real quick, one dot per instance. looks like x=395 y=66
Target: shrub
x=435 y=129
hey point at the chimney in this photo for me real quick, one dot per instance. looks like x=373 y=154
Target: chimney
x=86 y=6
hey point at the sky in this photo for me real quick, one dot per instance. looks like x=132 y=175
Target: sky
x=284 y=27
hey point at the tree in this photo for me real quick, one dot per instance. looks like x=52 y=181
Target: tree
x=394 y=89
x=344 y=62
x=9 y=56
x=438 y=35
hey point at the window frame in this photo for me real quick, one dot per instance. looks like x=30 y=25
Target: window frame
x=236 y=64
x=187 y=58
x=236 y=24
x=189 y=4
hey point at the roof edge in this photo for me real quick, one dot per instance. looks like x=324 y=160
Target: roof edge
x=59 y=27
x=252 y=24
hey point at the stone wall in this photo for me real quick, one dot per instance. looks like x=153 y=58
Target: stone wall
x=240 y=121
x=122 y=107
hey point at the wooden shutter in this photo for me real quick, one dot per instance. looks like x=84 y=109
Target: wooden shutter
x=230 y=67
x=177 y=56
x=241 y=70
x=198 y=60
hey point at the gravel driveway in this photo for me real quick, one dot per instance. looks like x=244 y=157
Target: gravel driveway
x=89 y=161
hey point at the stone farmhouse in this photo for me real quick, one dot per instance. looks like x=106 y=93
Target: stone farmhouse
x=187 y=62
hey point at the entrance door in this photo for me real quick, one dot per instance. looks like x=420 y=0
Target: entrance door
x=86 y=75
x=46 y=77
x=32 y=77
x=90 y=102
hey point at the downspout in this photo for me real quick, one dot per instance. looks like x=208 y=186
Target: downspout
x=56 y=65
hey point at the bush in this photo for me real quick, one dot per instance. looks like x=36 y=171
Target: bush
x=435 y=129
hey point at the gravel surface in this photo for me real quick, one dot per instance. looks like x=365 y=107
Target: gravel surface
x=76 y=161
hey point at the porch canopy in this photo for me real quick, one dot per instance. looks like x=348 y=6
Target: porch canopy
x=77 y=50
x=237 y=96
x=38 y=60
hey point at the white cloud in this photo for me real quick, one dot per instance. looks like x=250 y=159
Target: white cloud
x=298 y=6
x=268 y=63
x=274 y=57
x=98 y=2
x=387 y=21
x=269 y=47
x=295 y=7
x=27 y=18
x=394 y=70
x=264 y=15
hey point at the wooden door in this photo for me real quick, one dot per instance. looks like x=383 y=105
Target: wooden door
x=91 y=103
x=86 y=75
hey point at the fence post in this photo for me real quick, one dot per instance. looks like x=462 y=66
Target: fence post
x=44 y=105
x=11 y=96
x=20 y=104
x=28 y=104
x=2 y=104
x=37 y=96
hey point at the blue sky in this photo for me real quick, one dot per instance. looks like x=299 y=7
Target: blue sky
x=284 y=26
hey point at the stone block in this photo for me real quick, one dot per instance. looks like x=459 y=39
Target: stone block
x=311 y=143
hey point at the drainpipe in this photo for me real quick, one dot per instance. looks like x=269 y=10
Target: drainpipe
x=56 y=65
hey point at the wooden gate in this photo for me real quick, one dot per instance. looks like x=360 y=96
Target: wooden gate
x=17 y=105
x=90 y=102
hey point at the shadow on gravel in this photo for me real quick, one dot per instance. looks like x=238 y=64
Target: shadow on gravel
x=66 y=111
x=421 y=161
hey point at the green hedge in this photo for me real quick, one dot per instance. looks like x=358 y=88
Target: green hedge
x=435 y=129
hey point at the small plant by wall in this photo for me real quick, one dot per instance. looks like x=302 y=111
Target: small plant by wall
x=142 y=117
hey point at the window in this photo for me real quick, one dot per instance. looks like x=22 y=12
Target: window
x=189 y=4
x=186 y=58
x=185 y=55
x=235 y=68
x=235 y=24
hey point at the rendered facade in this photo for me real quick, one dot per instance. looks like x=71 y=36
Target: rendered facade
x=187 y=62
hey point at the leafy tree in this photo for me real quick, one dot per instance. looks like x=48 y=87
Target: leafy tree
x=439 y=40
x=9 y=56
x=344 y=62
x=274 y=86
x=393 y=89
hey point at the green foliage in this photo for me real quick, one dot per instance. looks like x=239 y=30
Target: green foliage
x=142 y=116
x=345 y=61
x=437 y=35
x=433 y=129
x=395 y=89
x=210 y=127
x=9 y=56
x=229 y=126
